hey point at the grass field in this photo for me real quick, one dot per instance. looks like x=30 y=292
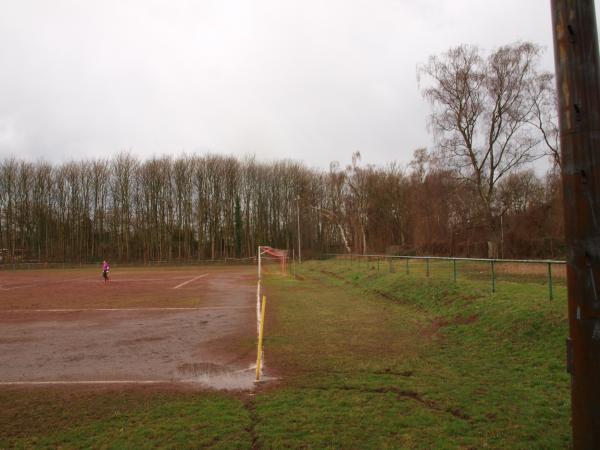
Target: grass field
x=364 y=359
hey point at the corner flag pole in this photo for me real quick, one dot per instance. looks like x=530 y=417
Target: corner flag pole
x=260 y=338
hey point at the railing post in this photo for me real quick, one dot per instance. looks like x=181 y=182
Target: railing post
x=454 y=267
x=550 y=293
x=378 y=264
x=407 y=271
x=427 y=265
x=493 y=276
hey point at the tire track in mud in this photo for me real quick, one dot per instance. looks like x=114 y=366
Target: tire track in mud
x=404 y=393
x=250 y=406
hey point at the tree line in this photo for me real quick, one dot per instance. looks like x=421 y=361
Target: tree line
x=210 y=207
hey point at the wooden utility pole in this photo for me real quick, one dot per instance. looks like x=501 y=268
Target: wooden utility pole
x=578 y=86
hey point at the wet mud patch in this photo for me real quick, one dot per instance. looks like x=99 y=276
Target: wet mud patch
x=140 y=340
x=195 y=369
x=74 y=358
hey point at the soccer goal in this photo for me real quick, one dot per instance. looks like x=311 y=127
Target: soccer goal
x=271 y=261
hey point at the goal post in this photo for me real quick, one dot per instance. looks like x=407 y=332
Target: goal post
x=271 y=260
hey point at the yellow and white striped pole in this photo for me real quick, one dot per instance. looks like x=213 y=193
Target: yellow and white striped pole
x=260 y=337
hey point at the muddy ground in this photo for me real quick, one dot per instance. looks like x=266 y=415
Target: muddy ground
x=191 y=324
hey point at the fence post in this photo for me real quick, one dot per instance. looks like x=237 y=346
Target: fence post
x=378 y=264
x=454 y=267
x=294 y=261
x=427 y=265
x=407 y=272
x=550 y=294
x=493 y=277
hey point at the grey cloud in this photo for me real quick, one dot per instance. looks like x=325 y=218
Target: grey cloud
x=308 y=80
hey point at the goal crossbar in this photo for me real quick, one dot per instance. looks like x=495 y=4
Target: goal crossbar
x=266 y=252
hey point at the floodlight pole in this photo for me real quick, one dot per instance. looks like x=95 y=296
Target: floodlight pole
x=298 y=220
x=578 y=86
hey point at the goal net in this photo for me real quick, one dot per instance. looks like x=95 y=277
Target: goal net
x=271 y=261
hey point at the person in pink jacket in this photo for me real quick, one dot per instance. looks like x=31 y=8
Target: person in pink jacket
x=105 y=270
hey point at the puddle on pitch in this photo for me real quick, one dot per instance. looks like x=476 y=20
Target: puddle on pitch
x=219 y=377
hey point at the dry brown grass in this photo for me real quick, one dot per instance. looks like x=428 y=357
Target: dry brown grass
x=558 y=270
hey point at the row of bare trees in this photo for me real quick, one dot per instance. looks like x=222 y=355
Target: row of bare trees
x=209 y=207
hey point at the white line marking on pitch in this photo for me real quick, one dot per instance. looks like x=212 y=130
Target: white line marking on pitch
x=124 y=309
x=42 y=383
x=189 y=281
x=129 y=280
x=17 y=287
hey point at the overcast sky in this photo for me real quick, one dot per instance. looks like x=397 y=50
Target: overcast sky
x=310 y=80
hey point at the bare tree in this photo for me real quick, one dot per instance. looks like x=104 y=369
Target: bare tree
x=545 y=114
x=482 y=115
x=335 y=209
x=124 y=167
x=357 y=179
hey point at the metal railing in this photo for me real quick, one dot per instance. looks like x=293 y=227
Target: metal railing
x=493 y=263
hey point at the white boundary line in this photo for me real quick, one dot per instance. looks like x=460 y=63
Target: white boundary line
x=124 y=309
x=97 y=280
x=105 y=382
x=2 y=288
x=189 y=281
x=45 y=383
x=128 y=280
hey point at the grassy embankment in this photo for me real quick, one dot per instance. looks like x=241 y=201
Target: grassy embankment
x=367 y=359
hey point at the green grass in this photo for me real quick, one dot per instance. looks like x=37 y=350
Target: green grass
x=146 y=418
x=366 y=359
x=447 y=365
